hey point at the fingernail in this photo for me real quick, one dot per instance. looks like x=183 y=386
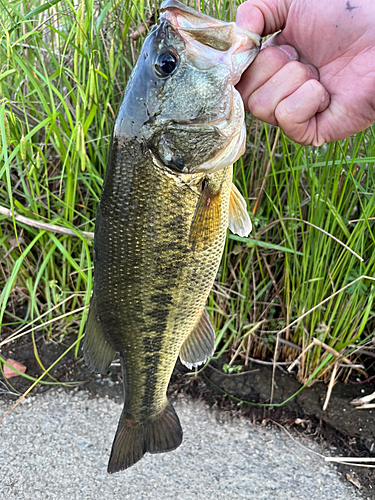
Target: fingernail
x=314 y=70
x=290 y=51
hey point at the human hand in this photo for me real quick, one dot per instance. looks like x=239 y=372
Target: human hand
x=326 y=91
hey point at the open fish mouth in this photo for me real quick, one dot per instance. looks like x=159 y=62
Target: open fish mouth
x=210 y=41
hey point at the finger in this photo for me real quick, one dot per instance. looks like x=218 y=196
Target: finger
x=250 y=17
x=262 y=102
x=268 y=62
x=341 y=119
x=296 y=114
x=263 y=16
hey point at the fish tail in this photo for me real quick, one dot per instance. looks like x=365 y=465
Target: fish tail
x=133 y=439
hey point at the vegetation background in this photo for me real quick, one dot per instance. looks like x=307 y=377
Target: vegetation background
x=301 y=288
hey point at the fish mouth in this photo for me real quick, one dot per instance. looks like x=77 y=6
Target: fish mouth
x=210 y=41
x=188 y=19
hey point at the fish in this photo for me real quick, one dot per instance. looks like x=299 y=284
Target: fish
x=162 y=218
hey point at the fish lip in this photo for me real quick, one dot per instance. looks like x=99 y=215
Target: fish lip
x=174 y=4
x=169 y=5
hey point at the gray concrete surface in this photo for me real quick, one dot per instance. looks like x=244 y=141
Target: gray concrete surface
x=56 y=446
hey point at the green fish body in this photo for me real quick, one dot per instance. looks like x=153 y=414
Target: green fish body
x=160 y=230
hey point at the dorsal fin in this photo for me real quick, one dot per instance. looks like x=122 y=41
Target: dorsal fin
x=200 y=343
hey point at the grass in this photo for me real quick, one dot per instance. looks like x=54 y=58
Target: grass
x=63 y=70
x=314 y=201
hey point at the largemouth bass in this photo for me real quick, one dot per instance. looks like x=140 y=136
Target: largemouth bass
x=161 y=223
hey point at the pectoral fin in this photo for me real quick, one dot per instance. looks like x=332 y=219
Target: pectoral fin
x=97 y=352
x=200 y=344
x=239 y=221
x=207 y=219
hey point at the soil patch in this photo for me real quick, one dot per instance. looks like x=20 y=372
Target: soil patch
x=348 y=431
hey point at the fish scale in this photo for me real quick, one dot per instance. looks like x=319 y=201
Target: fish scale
x=166 y=203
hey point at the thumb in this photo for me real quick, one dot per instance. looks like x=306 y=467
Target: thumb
x=263 y=16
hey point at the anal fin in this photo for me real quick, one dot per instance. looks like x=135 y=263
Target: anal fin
x=238 y=221
x=200 y=343
x=97 y=352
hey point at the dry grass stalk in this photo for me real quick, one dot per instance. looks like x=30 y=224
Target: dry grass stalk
x=42 y=225
x=330 y=386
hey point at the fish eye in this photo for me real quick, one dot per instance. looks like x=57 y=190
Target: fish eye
x=165 y=64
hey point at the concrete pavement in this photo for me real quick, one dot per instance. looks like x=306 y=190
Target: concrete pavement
x=56 y=446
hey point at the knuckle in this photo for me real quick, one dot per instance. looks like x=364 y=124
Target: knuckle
x=259 y=107
x=316 y=89
x=240 y=8
x=299 y=71
x=274 y=56
x=282 y=114
x=318 y=141
x=314 y=86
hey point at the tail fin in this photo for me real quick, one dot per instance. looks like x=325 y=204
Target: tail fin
x=133 y=439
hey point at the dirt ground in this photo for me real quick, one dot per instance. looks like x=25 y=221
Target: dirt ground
x=351 y=431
